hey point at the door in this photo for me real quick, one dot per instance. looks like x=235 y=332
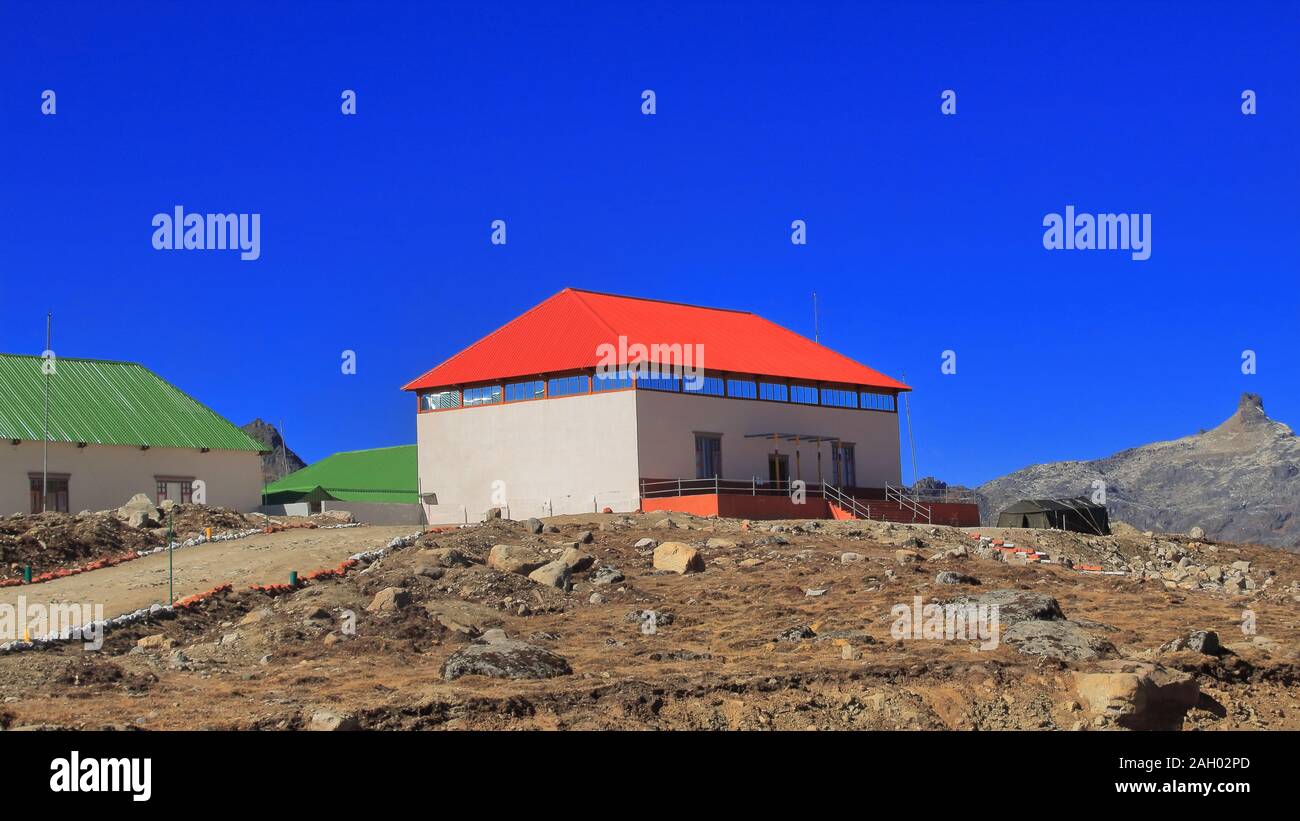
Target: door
x=778 y=468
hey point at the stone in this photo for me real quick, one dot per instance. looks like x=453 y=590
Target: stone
x=850 y=558
x=951 y=577
x=1017 y=605
x=1197 y=533
x=585 y=537
x=606 y=574
x=330 y=721
x=260 y=614
x=429 y=572
x=446 y=557
x=509 y=658
x=678 y=558
x=317 y=614
x=576 y=560
x=534 y=525
x=645 y=544
x=139 y=511
x=751 y=562
x=906 y=557
x=553 y=574
x=512 y=559
x=491 y=514
x=389 y=600
x=156 y=642
x=1243 y=567
x=1205 y=642
x=1058 y=639
x=720 y=544
x=596 y=598
x=1138 y=695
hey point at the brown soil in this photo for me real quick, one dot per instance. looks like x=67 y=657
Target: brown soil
x=248 y=660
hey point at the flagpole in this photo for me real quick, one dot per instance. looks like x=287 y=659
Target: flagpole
x=45 y=443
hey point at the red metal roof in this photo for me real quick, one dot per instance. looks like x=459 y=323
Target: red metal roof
x=565 y=332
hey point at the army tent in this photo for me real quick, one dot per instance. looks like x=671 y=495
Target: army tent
x=1078 y=514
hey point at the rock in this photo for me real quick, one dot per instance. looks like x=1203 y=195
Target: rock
x=140 y=511
x=156 y=642
x=1242 y=567
x=493 y=636
x=1205 y=642
x=678 y=557
x=606 y=575
x=798 y=633
x=330 y=721
x=906 y=557
x=553 y=574
x=509 y=658
x=260 y=614
x=750 y=562
x=665 y=524
x=1059 y=639
x=446 y=557
x=645 y=544
x=951 y=577
x=1197 y=533
x=850 y=558
x=320 y=613
x=1017 y=605
x=512 y=559
x=429 y=572
x=1138 y=695
x=585 y=537
x=720 y=544
x=389 y=600
x=576 y=560
x=534 y=525
x=914 y=543
x=596 y=598
x=491 y=514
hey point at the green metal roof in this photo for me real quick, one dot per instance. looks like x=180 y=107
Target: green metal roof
x=377 y=475
x=102 y=402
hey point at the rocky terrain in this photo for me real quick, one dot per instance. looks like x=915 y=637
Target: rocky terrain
x=1240 y=482
x=279 y=461
x=672 y=622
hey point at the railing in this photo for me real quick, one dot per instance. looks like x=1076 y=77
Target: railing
x=651 y=489
x=895 y=494
x=842 y=500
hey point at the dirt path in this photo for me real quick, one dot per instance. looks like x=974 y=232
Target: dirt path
x=260 y=559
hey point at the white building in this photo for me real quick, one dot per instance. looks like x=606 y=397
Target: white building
x=115 y=429
x=567 y=409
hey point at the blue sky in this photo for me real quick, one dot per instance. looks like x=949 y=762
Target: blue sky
x=924 y=231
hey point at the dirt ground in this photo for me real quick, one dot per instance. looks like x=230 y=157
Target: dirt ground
x=743 y=644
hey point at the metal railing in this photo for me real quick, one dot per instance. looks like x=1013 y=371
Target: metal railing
x=842 y=500
x=897 y=494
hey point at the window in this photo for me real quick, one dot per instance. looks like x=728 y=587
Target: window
x=742 y=389
x=877 y=401
x=441 y=399
x=803 y=394
x=659 y=383
x=187 y=492
x=773 y=392
x=846 y=473
x=611 y=380
x=710 y=385
x=568 y=385
x=839 y=399
x=708 y=456
x=160 y=492
x=486 y=395
x=519 y=391
x=56 y=499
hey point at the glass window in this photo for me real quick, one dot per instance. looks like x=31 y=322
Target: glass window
x=877 y=401
x=659 y=383
x=611 y=380
x=485 y=395
x=57 y=497
x=711 y=385
x=839 y=398
x=742 y=388
x=803 y=394
x=568 y=385
x=441 y=399
x=708 y=456
x=519 y=391
x=773 y=392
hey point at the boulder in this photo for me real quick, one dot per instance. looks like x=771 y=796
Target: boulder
x=720 y=544
x=585 y=537
x=678 y=557
x=1138 y=695
x=1017 y=605
x=1058 y=639
x=513 y=559
x=156 y=642
x=576 y=560
x=330 y=721
x=1197 y=533
x=906 y=557
x=952 y=577
x=849 y=558
x=534 y=525
x=389 y=600
x=606 y=575
x=505 y=658
x=645 y=544
x=552 y=574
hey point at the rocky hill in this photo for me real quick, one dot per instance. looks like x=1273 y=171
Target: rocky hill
x=1238 y=481
x=281 y=461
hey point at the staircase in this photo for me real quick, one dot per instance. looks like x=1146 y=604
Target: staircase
x=894 y=508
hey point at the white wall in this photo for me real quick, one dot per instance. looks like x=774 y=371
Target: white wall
x=572 y=454
x=667 y=423
x=103 y=477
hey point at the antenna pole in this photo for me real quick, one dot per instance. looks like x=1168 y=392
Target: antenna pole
x=45 y=442
x=907 y=404
x=816 y=332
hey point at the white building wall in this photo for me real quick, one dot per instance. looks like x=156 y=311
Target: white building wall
x=667 y=424
x=103 y=477
x=572 y=454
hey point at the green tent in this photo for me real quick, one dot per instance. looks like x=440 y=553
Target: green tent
x=376 y=475
x=1078 y=514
